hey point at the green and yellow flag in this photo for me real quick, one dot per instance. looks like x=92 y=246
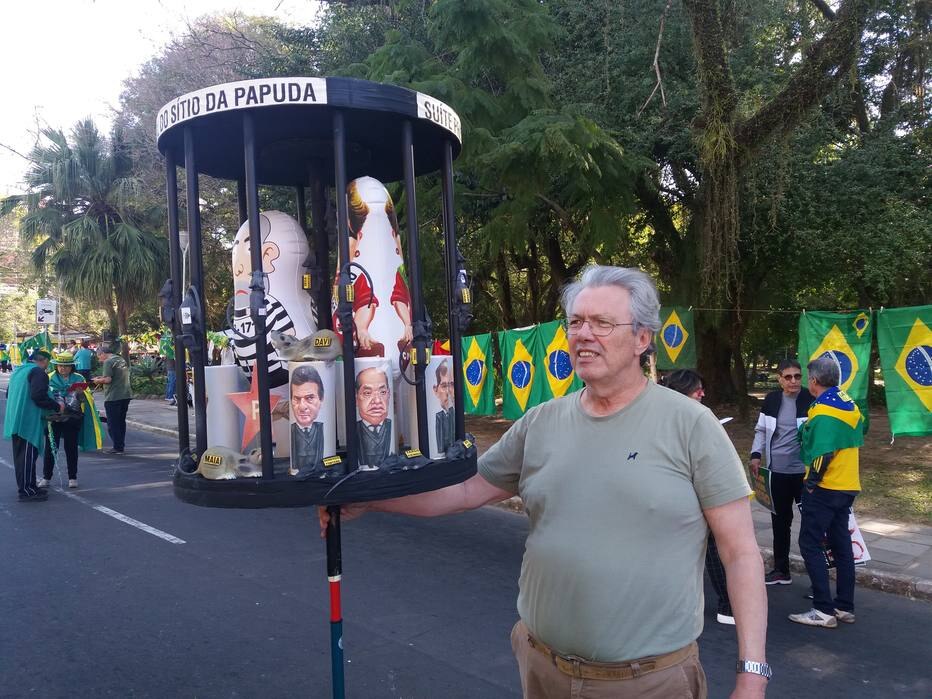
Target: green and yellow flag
x=40 y=341
x=846 y=339
x=553 y=362
x=904 y=338
x=520 y=381
x=478 y=375
x=676 y=341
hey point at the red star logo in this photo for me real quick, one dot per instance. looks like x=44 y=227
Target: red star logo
x=248 y=404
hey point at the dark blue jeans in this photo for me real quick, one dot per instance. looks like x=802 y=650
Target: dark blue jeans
x=116 y=421
x=825 y=513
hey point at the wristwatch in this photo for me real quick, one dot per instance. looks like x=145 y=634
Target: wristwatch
x=756 y=668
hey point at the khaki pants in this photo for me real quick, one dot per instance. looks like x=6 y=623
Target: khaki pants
x=540 y=678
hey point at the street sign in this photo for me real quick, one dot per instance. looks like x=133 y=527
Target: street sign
x=47 y=311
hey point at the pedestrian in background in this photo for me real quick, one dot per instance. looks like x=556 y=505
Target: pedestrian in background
x=83 y=361
x=114 y=377
x=776 y=439
x=25 y=423
x=831 y=441
x=689 y=383
x=167 y=353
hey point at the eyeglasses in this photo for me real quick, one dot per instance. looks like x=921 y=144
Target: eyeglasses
x=792 y=377
x=600 y=327
x=310 y=400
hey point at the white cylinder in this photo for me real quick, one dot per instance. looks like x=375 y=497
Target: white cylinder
x=224 y=420
x=441 y=425
x=312 y=412
x=375 y=426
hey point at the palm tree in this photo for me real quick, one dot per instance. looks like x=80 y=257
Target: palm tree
x=89 y=222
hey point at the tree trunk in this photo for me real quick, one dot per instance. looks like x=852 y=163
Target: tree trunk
x=504 y=290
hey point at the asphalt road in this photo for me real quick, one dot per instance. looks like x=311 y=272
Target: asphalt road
x=93 y=606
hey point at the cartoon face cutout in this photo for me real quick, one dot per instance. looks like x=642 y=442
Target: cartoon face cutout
x=242 y=260
x=372 y=395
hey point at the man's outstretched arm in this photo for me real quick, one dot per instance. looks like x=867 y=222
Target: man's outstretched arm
x=468 y=495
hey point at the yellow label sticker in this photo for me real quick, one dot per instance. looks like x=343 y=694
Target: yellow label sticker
x=213 y=459
x=306 y=281
x=467 y=443
x=323 y=341
x=413 y=453
x=332 y=461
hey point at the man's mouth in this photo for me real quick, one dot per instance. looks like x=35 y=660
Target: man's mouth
x=586 y=354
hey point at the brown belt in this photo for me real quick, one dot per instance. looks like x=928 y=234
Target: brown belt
x=586 y=669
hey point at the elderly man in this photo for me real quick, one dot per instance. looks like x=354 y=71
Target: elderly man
x=776 y=438
x=444 y=419
x=622 y=482
x=114 y=377
x=830 y=440
x=25 y=424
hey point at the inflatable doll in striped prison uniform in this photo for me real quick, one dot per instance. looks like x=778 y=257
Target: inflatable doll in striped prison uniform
x=289 y=308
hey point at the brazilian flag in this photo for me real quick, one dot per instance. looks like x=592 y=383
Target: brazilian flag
x=846 y=339
x=477 y=375
x=553 y=362
x=520 y=381
x=676 y=341
x=904 y=338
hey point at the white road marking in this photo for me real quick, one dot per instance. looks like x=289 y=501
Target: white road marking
x=119 y=516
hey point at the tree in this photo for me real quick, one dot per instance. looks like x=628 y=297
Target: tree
x=83 y=218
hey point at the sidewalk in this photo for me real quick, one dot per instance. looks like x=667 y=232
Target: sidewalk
x=901 y=553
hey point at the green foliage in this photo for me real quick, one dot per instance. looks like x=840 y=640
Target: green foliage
x=84 y=221
x=146 y=377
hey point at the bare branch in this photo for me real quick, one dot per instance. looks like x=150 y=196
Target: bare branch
x=656 y=64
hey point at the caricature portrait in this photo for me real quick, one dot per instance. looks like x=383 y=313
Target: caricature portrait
x=374 y=427
x=381 y=305
x=444 y=419
x=307 y=432
x=289 y=309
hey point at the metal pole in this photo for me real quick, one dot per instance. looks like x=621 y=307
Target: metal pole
x=334 y=580
x=419 y=324
x=454 y=263
x=345 y=292
x=174 y=248
x=199 y=356
x=345 y=314
x=323 y=278
x=257 y=296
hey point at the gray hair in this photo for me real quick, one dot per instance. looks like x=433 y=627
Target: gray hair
x=824 y=371
x=645 y=304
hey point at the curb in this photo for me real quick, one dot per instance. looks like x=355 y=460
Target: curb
x=893 y=583
x=163 y=431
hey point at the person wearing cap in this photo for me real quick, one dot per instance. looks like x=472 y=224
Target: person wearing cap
x=114 y=377
x=78 y=430
x=25 y=424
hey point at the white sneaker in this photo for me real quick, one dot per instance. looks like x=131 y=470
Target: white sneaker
x=72 y=482
x=43 y=483
x=815 y=618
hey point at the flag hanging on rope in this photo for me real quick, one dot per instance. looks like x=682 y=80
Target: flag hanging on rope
x=846 y=339
x=477 y=375
x=553 y=362
x=904 y=339
x=676 y=341
x=520 y=381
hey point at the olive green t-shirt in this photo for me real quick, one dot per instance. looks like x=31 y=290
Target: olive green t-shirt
x=118 y=388
x=613 y=563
